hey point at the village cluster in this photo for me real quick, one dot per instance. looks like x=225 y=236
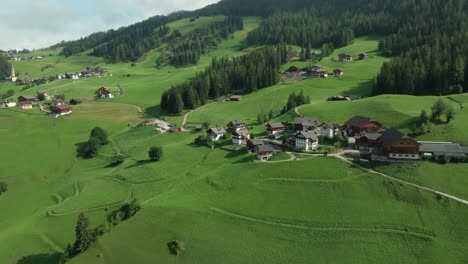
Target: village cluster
x=57 y=106
x=319 y=72
x=87 y=73
x=366 y=136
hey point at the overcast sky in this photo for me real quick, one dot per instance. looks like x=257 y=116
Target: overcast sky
x=37 y=24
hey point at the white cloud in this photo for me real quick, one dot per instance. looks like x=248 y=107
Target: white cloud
x=36 y=24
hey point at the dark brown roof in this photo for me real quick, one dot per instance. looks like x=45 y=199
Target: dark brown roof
x=28 y=97
x=390 y=136
x=292 y=69
x=237 y=123
x=358 y=121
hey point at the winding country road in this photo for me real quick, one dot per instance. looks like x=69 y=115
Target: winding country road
x=460 y=200
x=415 y=185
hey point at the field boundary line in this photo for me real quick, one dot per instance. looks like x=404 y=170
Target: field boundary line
x=415 y=185
x=402 y=231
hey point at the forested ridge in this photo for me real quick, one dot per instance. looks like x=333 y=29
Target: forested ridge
x=187 y=49
x=245 y=74
x=425 y=39
x=5 y=68
x=123 y=44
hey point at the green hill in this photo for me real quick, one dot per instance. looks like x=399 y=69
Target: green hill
x=225 y=206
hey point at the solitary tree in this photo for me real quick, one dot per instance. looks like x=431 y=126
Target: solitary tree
x=83 y=236
x=450 y=114
x=423 y=117
x=176 y=247
x=100 y=134
x=438 y=109
x=155 y=153
x=3 y=187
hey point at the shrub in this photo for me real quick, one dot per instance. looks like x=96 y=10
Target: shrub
x=176 y=247
x=3 y=187
x=155 y=153
x=201 y=140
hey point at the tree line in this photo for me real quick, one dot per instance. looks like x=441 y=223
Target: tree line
x=5 y=68
x=245 y=74
x=429 y=49
x=123 y=44
x=426 y=39
x=187 y=49
x=309 y=28
x=85 y=236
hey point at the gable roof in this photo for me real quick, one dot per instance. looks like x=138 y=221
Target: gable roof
x=306 y=120
x=275 y=125
x=372 y=136
x=217 y=131
x=358 y=121
x=256 y=142
x=391 y=135
x=329 y=124
x=236 y=123
x=307 y=135
x=243 y=132
x=265 y=149
x=28 y=97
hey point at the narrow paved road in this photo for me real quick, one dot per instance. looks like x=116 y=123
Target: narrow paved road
x=184 y=122
x=339 y=156
x=297 y=111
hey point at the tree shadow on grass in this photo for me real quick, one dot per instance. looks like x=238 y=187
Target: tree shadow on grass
x=363 y=89
x=40 y=259
x=153 y=110
x=81 y=149
x=139 y=163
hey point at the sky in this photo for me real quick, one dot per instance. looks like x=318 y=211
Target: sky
x=35 y=24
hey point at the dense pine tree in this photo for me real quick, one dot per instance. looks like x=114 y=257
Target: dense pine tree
x=244 y=74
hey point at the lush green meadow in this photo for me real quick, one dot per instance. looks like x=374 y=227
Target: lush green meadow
x=355 y=81
x=226 y=207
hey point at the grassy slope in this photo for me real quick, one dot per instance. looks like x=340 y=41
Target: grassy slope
x=224 y=206
x=356 y=80
x=145 y=84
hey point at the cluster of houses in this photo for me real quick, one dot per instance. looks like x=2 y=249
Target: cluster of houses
x=306 y=137
x=16 y=58
x=320 y=72
x=367 y=136
x=313 y=72
x=57 y=107
x=89 y=72
x=343 y=98
x=104 y=92
x=390 y=144
x=343 y=57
